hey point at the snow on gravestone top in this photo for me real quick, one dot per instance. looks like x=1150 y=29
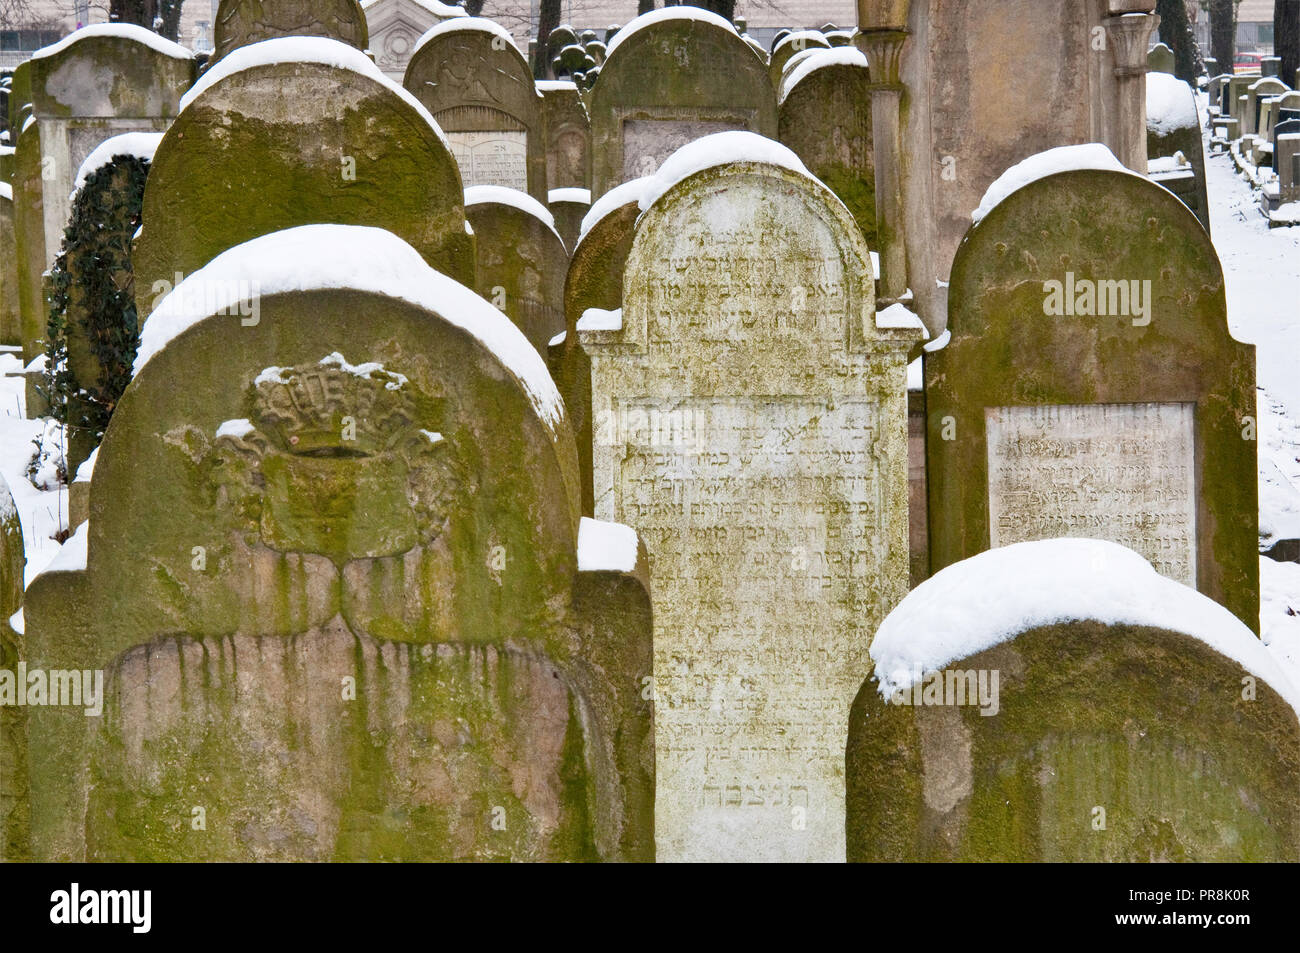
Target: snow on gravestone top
x=463 y=24
x=665 y=15
x=819 y=59
x=991 y=598
x=303 y=49
x=141 y=145
x=503 y=195
x=243 y=22
x=604 y=546
x=1171 y=104
x=313 y=257
x=124 y=31
x=615 y=198
x=719 y=148
x=1061 y=159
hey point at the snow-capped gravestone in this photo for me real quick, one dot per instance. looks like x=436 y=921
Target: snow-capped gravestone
x=825 y=118
x=473 y=79
x=1173 y=130
x=1060 y=701
x=13 y=748
x=244 y=22
x=1091 y=387
x=749 y=418
x=569 y=207
x=670 y=77
x=395 y=27
x=521 y=260
x=338 y=583
x=10 y=319
x=568 y=135
x=791 y=45
x=258 y=148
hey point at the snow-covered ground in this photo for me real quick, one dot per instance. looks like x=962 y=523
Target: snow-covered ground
x=1262 y=270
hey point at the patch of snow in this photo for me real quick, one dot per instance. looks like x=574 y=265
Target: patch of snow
x=478 y=24
x=433 y=6
x=598 y=319
x=504 y=195
x=620 y=195
x=1279 y=613
x=606 y=547
x=558 y=339
x=317 y=257
x=939 y=343
x=991 y=598
x=899 y=317
x=305 y=49
x=664 y=15
x=141 y=145
x=18 y=623
x=71 y=556
x=368 y=370
x=238 y=428
x=1174 y=163
x=86 y=471
x=582 y=196
x=805 y=37
x=1061 y=159
x=434 y=438
x=717 y=149
x=6 y=191
x=125 y=31
x=915 y=376
x=1171 y=104
x=820 y=59
x=554 y=85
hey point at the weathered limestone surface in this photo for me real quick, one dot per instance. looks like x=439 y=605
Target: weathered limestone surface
x=568 y=136
x=395 y=26
x=750 y=419
x=241 y=22
x=340 y=605
x=1045 y=424
x=262 y=150
x=14 y=811
x=666 y=84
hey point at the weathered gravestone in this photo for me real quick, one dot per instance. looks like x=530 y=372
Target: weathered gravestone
x=359 y=619
x=673 y=76
x=750 y=418
x=259 y=148
x=521 y=260
x=1160 y=59
x=1091 y=387
x=244 y=22
x=791 y=45
x=10 y=317
x=93 y=325
x=1174 y=127
x=569 y=207
x=473 y=79
x=13 y=748
x=989 y=83
x=395 y=26
x=568 y=135
x=1257 y=91
x=1060 y=701
x=825 y=118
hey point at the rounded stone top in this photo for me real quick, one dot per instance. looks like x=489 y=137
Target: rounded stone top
x=115 y=31
x=467 y=25
x=810 y=61
x=666 y=15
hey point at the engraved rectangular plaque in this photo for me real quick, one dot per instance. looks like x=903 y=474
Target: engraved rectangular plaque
x=492 y=158
x=648 y=142
x=1119 y=472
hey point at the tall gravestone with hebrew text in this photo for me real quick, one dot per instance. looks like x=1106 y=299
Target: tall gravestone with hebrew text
x=359 y=620
x=672 y=76
x=473 y=79
x=749 y=418
x=242 y=22
x=259 y=148
x=1091 y=387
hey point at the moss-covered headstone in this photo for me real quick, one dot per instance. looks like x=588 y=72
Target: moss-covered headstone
x=749 y=418
x=10 y=317
x=292 y=132
x=473 y=79
x=791 y=45
x=1091 y=387
x=521 y=260
x=358 y=618
x=670 y=77
x=825 y=118
x=14 y=800
x=29 y=241
x=1059 y=701
x=242 y=22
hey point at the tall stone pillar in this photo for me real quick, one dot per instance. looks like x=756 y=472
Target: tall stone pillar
x=1128 y=36
x=884 y=49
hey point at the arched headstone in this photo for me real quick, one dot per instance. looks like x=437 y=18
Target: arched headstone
x=395 y=27
x=243 y=22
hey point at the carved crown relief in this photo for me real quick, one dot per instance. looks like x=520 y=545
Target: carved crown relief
x=346 y=461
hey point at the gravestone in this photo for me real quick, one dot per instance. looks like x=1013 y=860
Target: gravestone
x=521 y=260
x=258 y=149
x=11 y=331
x=825 y=118
x=568 y=135
x=790 y=46
x=568 y=207
x=1258 y=90
x=1121 y=408
x=1160 y=59
x=749 y=415
x=395 y=26
x=1173 y=127
x=470 y=75
x=244 y=22
x=13 y=735
x=670 y=77
x=1150 y=726
x=362 y=621
x=1288 y=163
x=99 y=82
x=29 y=241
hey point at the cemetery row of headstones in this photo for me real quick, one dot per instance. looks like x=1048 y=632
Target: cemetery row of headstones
x=415 y=537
